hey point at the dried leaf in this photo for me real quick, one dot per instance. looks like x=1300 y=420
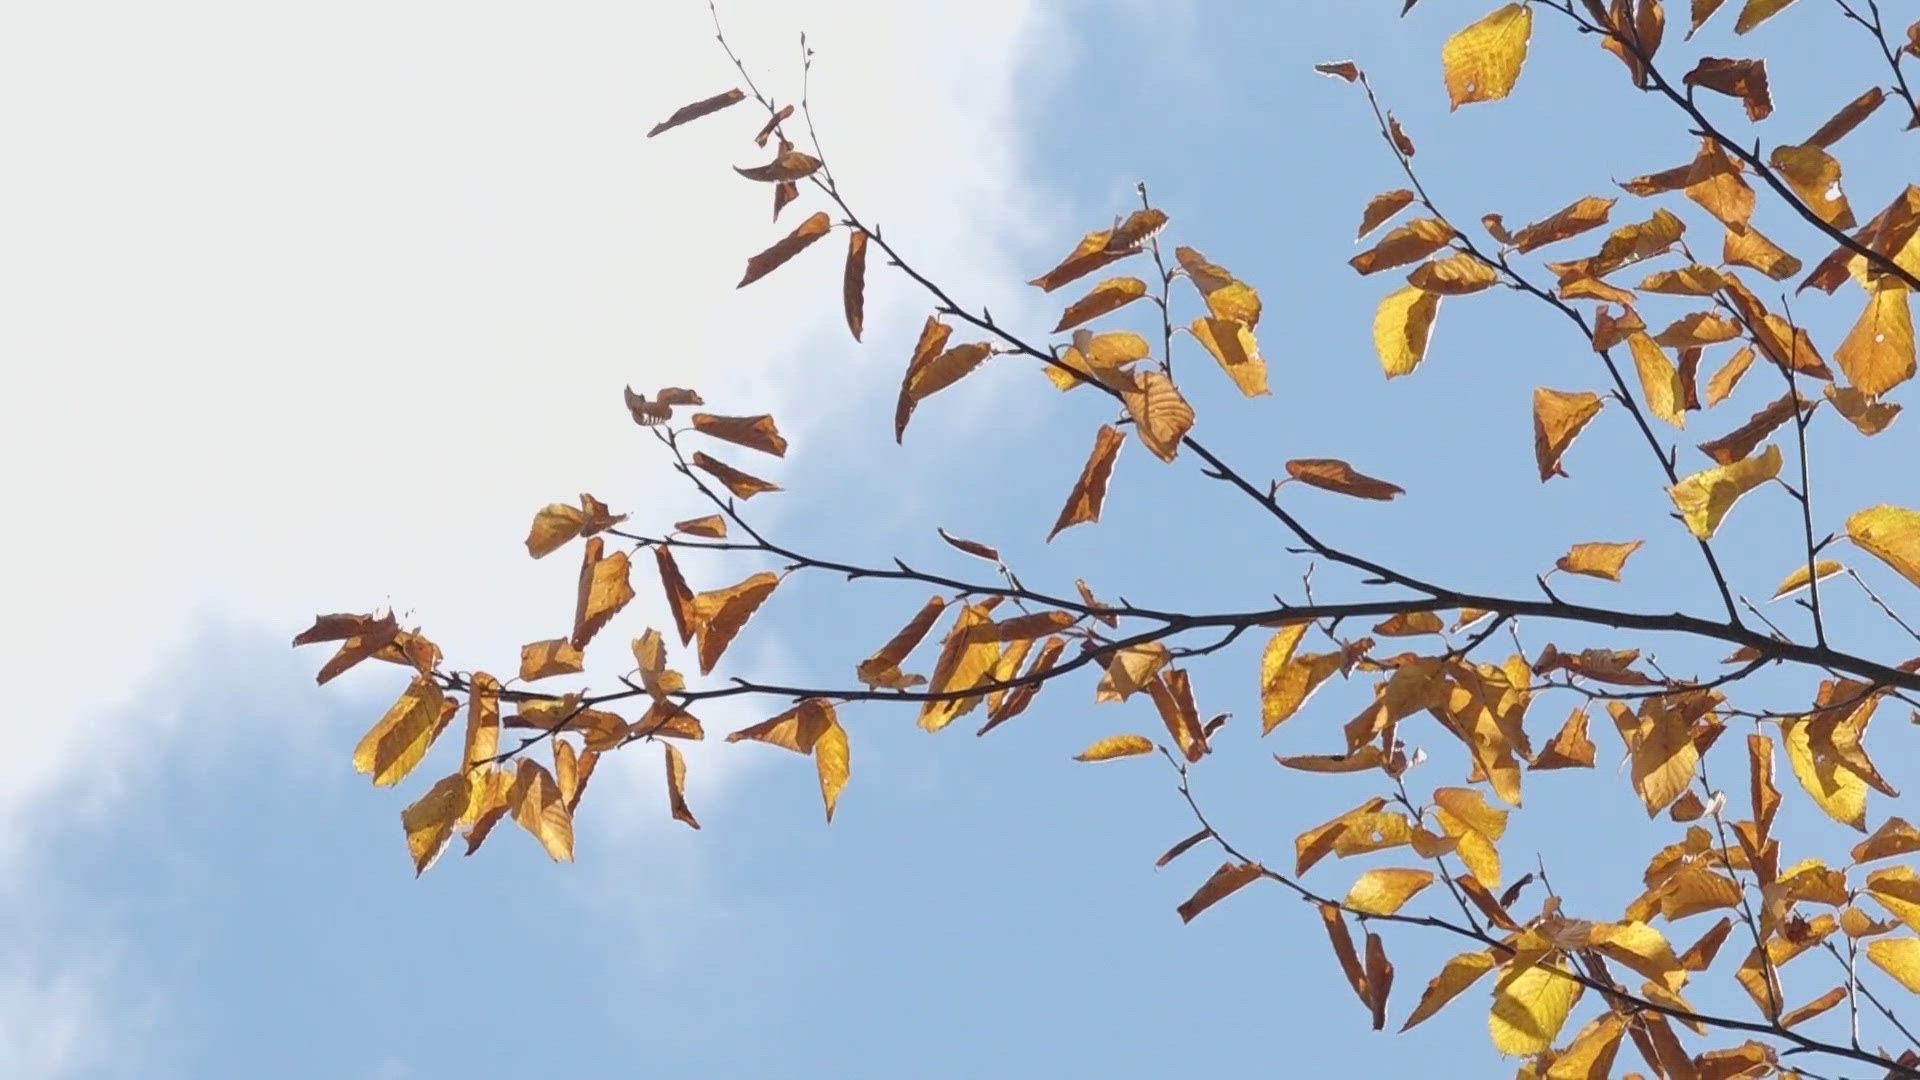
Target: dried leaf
x=1402 y=326
x=555 y=656
x=1382 y=207
x=853 y=283
x=1459 y=973
x=1748 y=246
x=1601 y=560
x=1089 y=492
x=431 y=819
x=1705 y=497
x=1108 y=296
x=883 y=667
x=1878 y=353
x=395 y=745
x=712 y=527
x=1743 y=79
x=1457 y=274
x=743 y=485
x=697 y=110
x=1588 y=212
x=1160 y=414
x=1571 y=748
x=1232 y=343
x=934 y=375
x=1097 y=249
x=1756 y=12
x=1385 y=891
x=539 y=808
x=1898 y=957
x=832 y=760
x=1869 y=417
x=1337 y=476
x=1117 y=746
x=1742 y=440
x=1558 y=418
x=752 y=432
x=1659 y=380
x=1721 y=385
x=1228 y=298
x=972 y=547
x=719 y=614
x=1483 y=61
x=1530 y=1006
x=792 y=244
x=1890 y=534
x=789 y=166
x=1411 y=242
x=968 y=659
x=1800 y=578
x=605 y=588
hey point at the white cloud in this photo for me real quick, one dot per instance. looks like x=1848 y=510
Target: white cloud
x=309 y=308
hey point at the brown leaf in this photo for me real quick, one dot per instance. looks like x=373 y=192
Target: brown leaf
x=1089 y=492
x=1869 y=417
x=1878 y=353
x=1743 y=79
x=971 y=547
x=719 y=615
x=782 y=195
x=968 y=658
x=773 y=124
x=397 y=743
x=540 y=809
x=853 y=284
x=752 y=432
x=873 y=670
x=1558 y=418
x=1411 y=242
x=1589 y=212
x=679 y=596
x=556 y=656
x=743 y=485
x=713 y=527
x=934 y=375
x=1108 y=296
x=1097 y=249
x=697 y=110
x=1229 y=879
x=1570 y=749
x=789 y=166
x=797 y=729
x=1456 y=275
x=1182 y=848
x=1335 y=475
x=1382 y=207
x=1601 y=560
x=1741 y=441
x=1848 y=118
x=1399 y=135
x=1160 y=414
x=1346 y=70
x=1342 y=942
x=792 y=244
x=604 y=590
x=1172 y=695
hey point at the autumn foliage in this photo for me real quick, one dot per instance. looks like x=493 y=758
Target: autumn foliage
x=1462 y=714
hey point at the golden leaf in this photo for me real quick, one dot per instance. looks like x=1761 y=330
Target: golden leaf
x=1705 y=497
x=1641 y=948
x=1724 y=380
x=1878 y=353
x=1699 y=328
x=1741 y=441
x=555 y=656
x=1464 y=815
x=1589 y=212
x=719 y=614
x=1316 y=843
x=1172 y=695
x=1558 y=418
x=604 y=590
x=1590 y=1055
x=1571 y=748
x=553 y=526
x=1659 y=380
x=491 y=800
x=483 y=721
x=752 y=432
x=1101 y=358
x=1287 y=685
x=1636 y=242
x=936 y=374
x=697 y=110
x=832 y=760
x=1456 y=275
x=1229 y=879
x=1160 y=414
x=1898 y=890
x=539 y=809
x=1342 y=943
x=391 y=749
x=677 y=786
x=743 y=485
x=1893 y=837
x=797 y=729
x=853 y=285
x=713 y=527
x=1690 y=280
x=1459 y=973
x=1332 y=474
x=1382 y=207
x=968 y=658
x=1748 y=246
x=430 y=821
x=679 y=596
x=1898 y=957
x=1361 y=760
x=1384 y=891
x=1483 y=61
x=874 y=670
x=1108 y=296
x=792 y=244
x=1089 y=492
x=1814 y=176
x=1097 y=249
x=1890 y=534
x=1601 y=560
x=1021 y=696
x=1800 y=578
x=1743 y=79
x=380 y=637
x=1116 y=746
x=790 y=165
x=1757 y=12
x=1530 y=1006
x=1868 y=416
x=1231 y=342
x=1129 y=671
x=1409 y=624
x=1815 y=1007
x=1402 y=326
x=650 y=656
x=1228 y=298
x=1411 y=242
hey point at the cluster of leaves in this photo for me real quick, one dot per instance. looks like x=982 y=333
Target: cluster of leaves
x=1005 y=641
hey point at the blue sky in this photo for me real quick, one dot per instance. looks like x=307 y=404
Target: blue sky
x=200 y=886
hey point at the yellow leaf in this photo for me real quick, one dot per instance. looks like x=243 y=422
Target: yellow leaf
x=752 y=432
x=1108 y=296
x=1641 y=948
x=719 y=614
x=1878 y=353
x=650 y=656
x=1384 y=891
x=1571 y=748
x=797 y=729
x=1089 y=492
x=1097 y=249
x=1690 y=280
x=489 y=802
x=604 y=590
x=1464 y=815
x=1800 y=578
x=1285 y=687
x=1483 y=61
x=1705 y=497
x=1343 y=950
x=1815 y=1007
x=1663 y=753
x=1381 y=207
x=1411 y=242
x=1757 y=12
x=1160 y=414
x=677 y=786
x=431 y=820
x=934 y=375
x=697 y=110
x=1231 y=342
x=743 y=485
x=1116 y=746
x=1459 y=973
x=555 y=656
x=1659 y=380
x=1893 y=837
x=1898 y=890
x=1129 y=671
x=1601 y=560
x=1409 y=624
x=1589 y=212
x=1890 y=534
x=1456 y=275
x=1361 y=760
x=1814 y=176
x=397 y=743
x=1558 y=418
x=1228 y=298
x=968 y=658
x=483 y=721
x=1172 y=694
x=1699 y=328
x=1530 y=1006
x=1229 y=879
x=1837 y=789
x=1316 y=843
x=853 y=285
x=1021 y=696
x=1332 y=474
x=1898 y=957
x=553 y=526
x=1402 y=326
x=1590 y=1055
x=874 y=670
x=832 y=760
x=1766 y=797
x=790 y=245
x=1724 y=380
x=1748 y=246
x=539 y=809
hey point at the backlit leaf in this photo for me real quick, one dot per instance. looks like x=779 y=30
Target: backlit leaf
x=935 y=374
x=853 y=284
x=1756 y=12
x=1402 y=326
x=753 y=432
x=1814 y=1008
x=1838 y=790
x=1334 y=475
x=1459 y=973
x=677 y=786
x=679 y=597
x=1110 y=295
x=1800 y=578
x=1228 y=298
x=1890 y=534
x=1382 y=207
x=719 y=614
x=1659 y=380
x=788 y=166
x=1411 y=242
x=1116 y=746
x=1601 y=560
x=968 y=658
x=832 y=760
x=1869 y=417
x=1893 y=837
x=1898 y=957
x=1229 y=879
x=797 y=729
x=790 y=245
x=1558 y=418
x=1878 y=353
x=743 y=485
x=1160 y=414
x=1589 y=212
x=604 y=589
x=1748 y=246
x=1384 y=891
x=1530 y=1006
x=712 y=527
x=1097 y=249
x=539 y=809
x=555 y=656
x=1743 y=79
x=1740 y=442
x=1705 y=497
x=1379 y=974
x=1483 y=61
x=1721 y=385
x=1690 y=280
x=1570 y=748
x=391 y=749
x=1455 y=275
x=874 y=671
x=1231 y=342
x=430 y=821
x=1590 y=1055
x=972 y=547
x=1814 y=175
x=1172 y=694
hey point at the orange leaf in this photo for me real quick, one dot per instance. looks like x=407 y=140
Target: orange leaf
x=719 y=615
x=853 y=285
x=792 y=244
x=752 y=432
x=743 y=485
x=1229 y=879
x=677 y=786
x=1108 y=296
x=1558 y=418
x=604 y=590
x=697 y=110
x=1335 y=475
x=1090 y=491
